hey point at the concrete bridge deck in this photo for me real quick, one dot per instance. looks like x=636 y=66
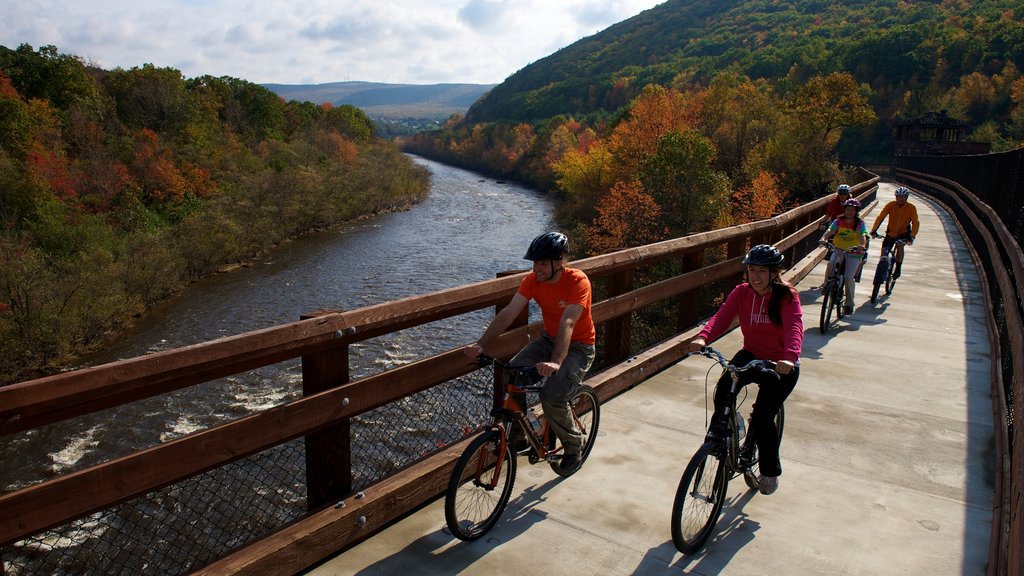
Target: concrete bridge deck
x=887 y=456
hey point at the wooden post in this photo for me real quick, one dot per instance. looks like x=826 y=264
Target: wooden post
x=618 y=332
x=735 y=249
x=689 y=304
x=522 y=320
x=328 y=451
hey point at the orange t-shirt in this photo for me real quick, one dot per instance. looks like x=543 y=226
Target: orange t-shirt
x=573 y=287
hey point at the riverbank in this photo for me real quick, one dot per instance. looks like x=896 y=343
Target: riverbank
x=60 y=312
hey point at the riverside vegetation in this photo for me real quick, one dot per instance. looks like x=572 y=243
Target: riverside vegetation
x=118 y=187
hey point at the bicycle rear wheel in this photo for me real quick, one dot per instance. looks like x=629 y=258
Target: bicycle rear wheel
x=586 y=410
x=749 y=456
x=826 y=308
x=477 y=492
x=699 y=498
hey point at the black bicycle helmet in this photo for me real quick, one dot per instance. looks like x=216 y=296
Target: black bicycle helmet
x=764 y=255
x=548 y=246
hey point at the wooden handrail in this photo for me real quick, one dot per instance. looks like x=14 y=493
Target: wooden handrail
x=28 y=405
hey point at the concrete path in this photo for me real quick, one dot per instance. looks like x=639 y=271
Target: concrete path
x=887 y=456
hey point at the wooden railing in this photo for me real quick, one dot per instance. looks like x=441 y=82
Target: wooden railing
x=1000 y=263
x=339 y=518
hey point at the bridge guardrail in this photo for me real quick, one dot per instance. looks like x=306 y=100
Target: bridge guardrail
x=343 y=509
x=1000 y=261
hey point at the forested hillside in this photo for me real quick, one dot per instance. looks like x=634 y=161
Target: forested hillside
x=117 y=187
x=915 y=57
x=698 y=113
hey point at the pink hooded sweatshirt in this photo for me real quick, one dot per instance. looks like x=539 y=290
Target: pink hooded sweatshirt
x=761 y=338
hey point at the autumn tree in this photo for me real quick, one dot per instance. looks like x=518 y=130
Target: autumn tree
x=760 y=199
x=681 y=177
x=583 y=177
x=655 y=112
x=627 y=216
x=829 y=103
x=738 y=115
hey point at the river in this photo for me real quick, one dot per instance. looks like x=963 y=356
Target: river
x=469 y=228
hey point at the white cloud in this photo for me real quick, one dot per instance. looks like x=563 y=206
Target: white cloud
x=400 y=41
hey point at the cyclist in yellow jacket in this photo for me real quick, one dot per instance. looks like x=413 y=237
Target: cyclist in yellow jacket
x=903 y=224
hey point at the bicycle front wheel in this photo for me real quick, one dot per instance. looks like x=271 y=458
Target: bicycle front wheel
x=699 y=498
x=826 y=308
x=586 y=414
x=838 y=297
x=890 y=281
x=879 y=279
x=478 y=491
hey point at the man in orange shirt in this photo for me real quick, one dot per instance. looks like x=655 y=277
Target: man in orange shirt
x=903 y=224
x=565 y=351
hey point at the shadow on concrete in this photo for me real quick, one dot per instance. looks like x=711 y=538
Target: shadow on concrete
x=520 y=514
x=733 y=531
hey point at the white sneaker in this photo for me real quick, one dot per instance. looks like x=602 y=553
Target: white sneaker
x=768 y=484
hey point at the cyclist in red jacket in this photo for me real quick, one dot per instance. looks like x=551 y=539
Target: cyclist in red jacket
x=771 y=320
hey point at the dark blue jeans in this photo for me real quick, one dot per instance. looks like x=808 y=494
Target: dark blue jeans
x=770 y=396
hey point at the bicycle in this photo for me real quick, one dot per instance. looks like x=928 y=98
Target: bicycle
x=884 y=269
x=834 y=291
x=483 y=477
x=704 y=484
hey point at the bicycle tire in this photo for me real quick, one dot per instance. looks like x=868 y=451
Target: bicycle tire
x=826 y=308
x=471 y=509
x=838 y=296
x=699 y=498
x=879 y=279
x=890 y=281
x=586 y=409
x=753 y=472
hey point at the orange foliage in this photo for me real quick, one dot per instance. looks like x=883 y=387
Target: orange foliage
x=657 y=111
x=760 y=200
x=7 y=89
x=155 y=170
x=51 y=167
x=627 y=216
x=102 y=182
x=336 y=147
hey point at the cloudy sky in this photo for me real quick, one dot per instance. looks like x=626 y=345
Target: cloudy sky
x=314 y=41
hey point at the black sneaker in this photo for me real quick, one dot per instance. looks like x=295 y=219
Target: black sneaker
x=569 y=463
x=847 y=310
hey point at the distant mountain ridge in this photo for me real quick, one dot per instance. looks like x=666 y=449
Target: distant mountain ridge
x=388 y=100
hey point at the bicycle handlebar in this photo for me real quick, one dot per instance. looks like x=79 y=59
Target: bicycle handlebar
x=896 y=241
x=528 y=371
x=856 y=250
x=766 y=366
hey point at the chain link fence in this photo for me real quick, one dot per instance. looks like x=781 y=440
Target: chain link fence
x=185 y=526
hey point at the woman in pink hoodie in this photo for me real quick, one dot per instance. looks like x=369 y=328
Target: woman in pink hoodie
x=771 y=320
